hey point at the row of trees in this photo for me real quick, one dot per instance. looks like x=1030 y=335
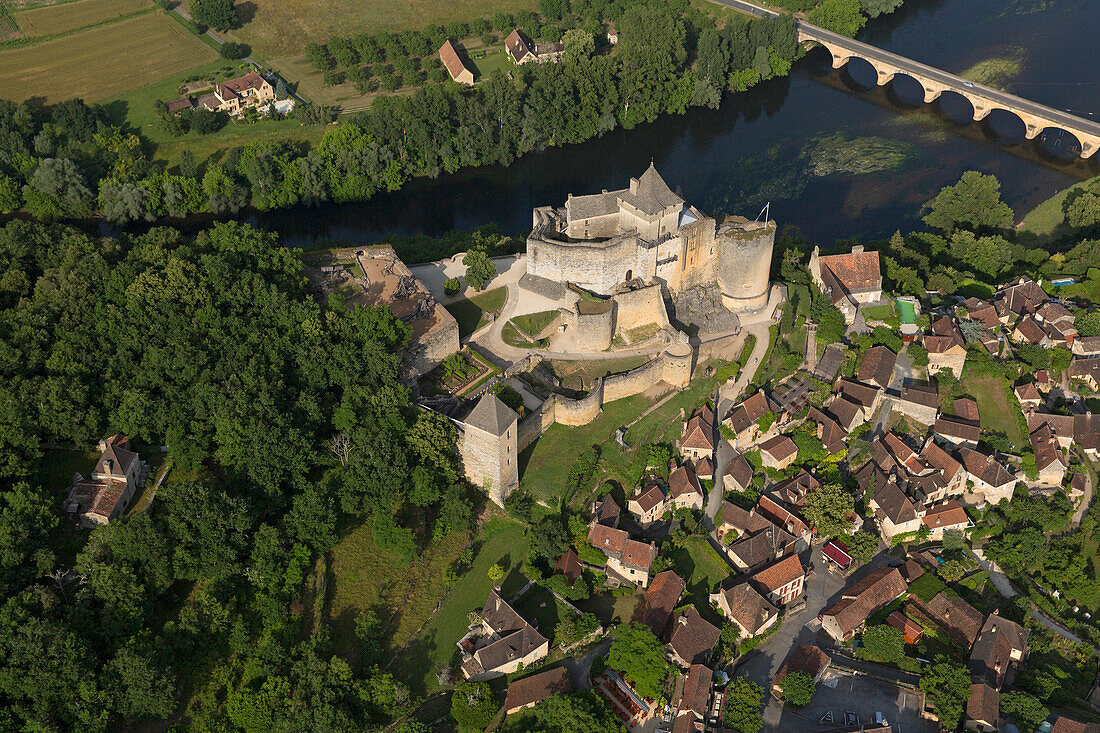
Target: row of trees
x=284 y=418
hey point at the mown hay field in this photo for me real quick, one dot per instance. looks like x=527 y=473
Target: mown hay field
x=284 y=27
x=102 y=62
x=54 y=19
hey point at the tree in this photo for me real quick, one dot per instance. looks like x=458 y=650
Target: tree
x=841 y=16
x=1082 y=211
x=952 y=571
x=829 y=319
x=918 y=354
x=743 y=703
x=975 y=201
x=10 y=197
x=496 y=573
x=479 y=268
x=638 y=654
x=862 y=546
x=57 y=189
x=473 y=706
x=578 y=712
x=829 y=511
x=579 y=44
x=882 y=643
x=220 y=14
x=1088 y=323
x=947 y=685
x=141 y=686
x=1024 y=709
x=122 y=203
x=234 y=50
x=798 y=689
x=875 y=8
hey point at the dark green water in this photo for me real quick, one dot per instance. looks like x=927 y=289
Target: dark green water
x=835 y=158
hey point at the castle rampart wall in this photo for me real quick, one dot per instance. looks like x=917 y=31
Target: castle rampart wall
x=580 y=411
x=594 y=329
x=617 y=386
x=598 y=267
x=535 y=424
x=639 y=307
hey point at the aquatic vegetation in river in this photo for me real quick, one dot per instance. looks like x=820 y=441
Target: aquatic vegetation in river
x=837 y=154
x=999 y=71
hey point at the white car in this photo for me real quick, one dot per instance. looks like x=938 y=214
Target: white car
x=968 y=83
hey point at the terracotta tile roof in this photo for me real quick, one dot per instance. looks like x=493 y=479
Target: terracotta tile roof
x=704 y=468
x=517 y=45
x=745 y=522
x=955 y=428
x=775 y=576
x=902 y=453
x=660 y=599
x=699 y=430
x=984 y=704
x=986 y=316
x=921 y=393
x=747 y=412
x=761 y=547
x=777 y=515
x=855 y=271
x=691 y=636
x=748 y=608
x=985 y=468
x=1056 y=313
x=1081 y=368
x=893 y=502
x=804 y=658
x=907 y=626
x=1028 y=393
x=569 y=565
x=607 y=511
x=862 y=394
x=1045 y=448
x=992 y=651
x=450 y=57
x=832 y=435
x=779 y=448
x=938 y=458
x=948 y=515
x=536 y=688
x=695 y=697
x=911 y=570
x=877 y=367
x=966 y=408
x=1021 y=296
x=649 y=498
x=846 y=412
x=1029 y=330
x=739 y=470
x=794 y=490
x=683 y=482
x=241 y=84
x=638 y=555
x=608 y=539
x=1063 y=724
x=1086 y=431
x=518 y=638
x=959 y=619
x=862 y=599
x=98 y=498
x=177 y=104
x=1061 y=425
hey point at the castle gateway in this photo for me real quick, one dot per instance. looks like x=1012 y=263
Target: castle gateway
x=645 y=234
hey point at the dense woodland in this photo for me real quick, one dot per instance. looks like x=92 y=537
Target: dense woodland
x=70 y=161
x=210 y=346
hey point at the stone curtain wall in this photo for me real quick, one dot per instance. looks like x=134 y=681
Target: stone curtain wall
x=640 y=307
x=429 y=350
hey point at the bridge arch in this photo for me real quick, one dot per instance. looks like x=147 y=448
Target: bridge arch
x=1006 y=126
x=1061 y=143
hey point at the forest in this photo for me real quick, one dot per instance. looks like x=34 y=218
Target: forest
x=284 y=418
x=70 y=161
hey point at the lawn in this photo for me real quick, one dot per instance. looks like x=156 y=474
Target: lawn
x=1045 y=218
x=102 y=62
x=502 y=541
x=54 y=19
x=470 y=312
x=495 y=60
x=283 y=27
x=363 y=575
x=879 y=312
x=514 y=337
x=533 y=323
x=701 y=568
x=999 y=409
x=927 y=586
x=663 y=424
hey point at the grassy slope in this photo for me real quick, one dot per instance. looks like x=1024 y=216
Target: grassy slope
x=701 y=568
x=1045 y=218
x=469 y=312
x=997 y=411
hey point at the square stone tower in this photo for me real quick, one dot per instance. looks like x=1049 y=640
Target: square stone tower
x=489 y=447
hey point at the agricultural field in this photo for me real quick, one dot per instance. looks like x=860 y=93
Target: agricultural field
x=102 y=62
x=283 y=27
x=55 y=19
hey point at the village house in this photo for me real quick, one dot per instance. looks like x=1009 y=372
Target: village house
x=1086 y=434
x=704 y=469
x=456 y=64
x=1062 y=724
x=910 y=629
x=627 y=560
x=864 y=395
x=742 y=522
x=1018 y=297
x=530 y=691
x=1000 y=644
x=606 y=511
x=697 y=435
x=684 y=491
x=789 y=522
x=1049 y=460
x=877 y=367
x=1086 y=370
x=946 y=347
x=743 y=419
x=894 y=513
x=953 y=473
x=236 y=95
x=959 y=620
x=522 y=51
x=778 y=452
x=117 y=474
x=810 y=660
x=851 y=280
x=1086 y=346
x=983 y=314
x=647 y=504
x=880 y=588
x=990 y=477
x=847 y=414
x=690 y=638
x=754 y=551
x=919 y=401
x=1029 y=331
x=659 y=601
x=569 y=566
x=957 y=431
x=794 y=490
x=1028 y=396
x=693 y=700
x=749 y=611
x=782 y=582
x=499 y=642
x=945 y=517
x=829 y=431
x=983 y=709
x=738 y=475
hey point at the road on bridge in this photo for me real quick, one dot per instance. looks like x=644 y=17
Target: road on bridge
x=1070 y=122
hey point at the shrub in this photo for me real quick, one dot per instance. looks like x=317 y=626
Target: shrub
x=798 y=689
x=452 y=285
x=234 y=50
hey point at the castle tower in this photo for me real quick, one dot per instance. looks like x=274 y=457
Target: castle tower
x=489 y=447
x=744 y=252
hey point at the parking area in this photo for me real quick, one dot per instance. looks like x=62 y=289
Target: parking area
x=840 y=692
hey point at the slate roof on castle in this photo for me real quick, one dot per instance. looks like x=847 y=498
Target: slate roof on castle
x=651 y=196
x=491 y=415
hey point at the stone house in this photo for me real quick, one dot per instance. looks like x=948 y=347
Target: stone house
x=959 y=620
x=744 y=417
x=692 y=700
x=831 y=434
x=1086 y=370
x=951 y=470
x=236 y=95
x=456 y=64
x=983 y=709
x=778 y=452
x=1019 y=297
x=1001 y=644
x=946 y=517
x=684 y=491
x=781 y=582
x=529 y=691
x=606 y=512
x=808 y=659
x=847 y=414
x=628 y=560
x=990 y=477
x=878 y=589
x=793 y=491
x=789 y=522
x=697 y=436
x=647 y=504
x=117 y=474
x=749 y=611
x=1049 y=460
x=754 y=551
x=690 y=638
x=659 y=601
x=1086 y=346
x=743 y=522
x=522 y=51
x=1028 y=396
x=499 y=642
x=946 y=347
x=919 y=401
x=956 y=431
x=738 y=475
x=851 y=280
x=877 y=367
x=894 y=512
x=1062 y=724
x=1029 y=331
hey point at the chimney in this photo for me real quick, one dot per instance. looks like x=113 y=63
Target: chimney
x=857 y=249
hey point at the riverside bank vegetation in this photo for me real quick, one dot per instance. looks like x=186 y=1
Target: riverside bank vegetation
x=70 y=161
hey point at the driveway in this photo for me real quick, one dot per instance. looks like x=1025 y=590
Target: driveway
x=578 y=667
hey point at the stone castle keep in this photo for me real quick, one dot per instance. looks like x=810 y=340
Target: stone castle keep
x=617 y=241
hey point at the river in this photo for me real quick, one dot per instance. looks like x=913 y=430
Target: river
x=834 y=156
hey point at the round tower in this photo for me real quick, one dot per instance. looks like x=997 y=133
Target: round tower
x=744 y=262
x=677 y=357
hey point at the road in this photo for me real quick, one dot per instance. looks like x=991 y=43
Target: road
x=578 y=667
x=971 y=89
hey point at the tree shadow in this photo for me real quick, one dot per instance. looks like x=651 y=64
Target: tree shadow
x=246 y=12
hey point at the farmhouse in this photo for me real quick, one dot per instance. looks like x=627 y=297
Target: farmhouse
x=499 y=642
x=236 y=95
x=647 y=504
x=115 y=477
x=851 y=280
x=522 y=51
x=690 y=638
x=455 y=63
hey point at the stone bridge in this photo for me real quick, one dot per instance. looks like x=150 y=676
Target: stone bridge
x=983 y=99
